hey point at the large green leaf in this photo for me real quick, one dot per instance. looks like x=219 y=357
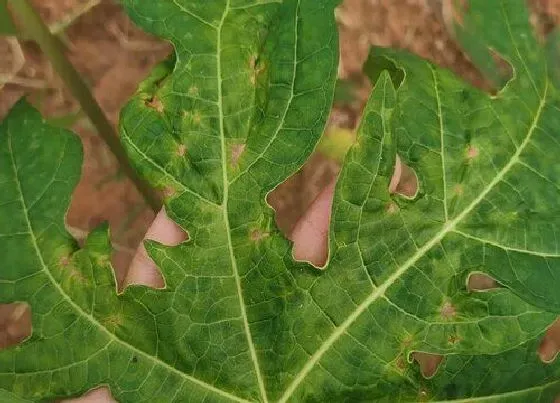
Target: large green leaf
x=236 y=110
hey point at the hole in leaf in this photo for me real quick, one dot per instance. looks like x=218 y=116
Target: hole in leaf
x=98 y=395
x=504 y=70
x=404 y=181
x=550 y=344
x=453 y=12
x=310 y=235
x=143 y=270
x=429 y=363
x=481 y=282
x=302 y=208
x=15 y=324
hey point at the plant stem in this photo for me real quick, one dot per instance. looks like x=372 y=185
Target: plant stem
x=38 y=31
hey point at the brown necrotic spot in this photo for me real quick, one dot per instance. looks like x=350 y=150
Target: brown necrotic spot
x=15 y=324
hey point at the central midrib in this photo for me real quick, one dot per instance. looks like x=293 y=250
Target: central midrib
x=246 y=327
x=380 y=291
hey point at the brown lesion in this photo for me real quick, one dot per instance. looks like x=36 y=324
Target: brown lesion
x=236 y=152
x=154 y=103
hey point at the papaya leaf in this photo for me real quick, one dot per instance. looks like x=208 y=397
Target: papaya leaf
x=237 y=109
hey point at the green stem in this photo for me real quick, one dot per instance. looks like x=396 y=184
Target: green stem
x=38 y=31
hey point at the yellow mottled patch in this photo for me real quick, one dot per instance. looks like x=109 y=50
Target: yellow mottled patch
x=197 y=117
x=258 y=235
x=193 y=91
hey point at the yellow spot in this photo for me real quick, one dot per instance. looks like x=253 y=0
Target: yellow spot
x=193 y=91
x=459 y=190
x=472 y=152
x=154 y=103
x=197 y=117
x=169 y=191
x=258 y=235
x=64 y=261
x=113 y=321
x=392 y=208
x=447 y=311
x=181 y=150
